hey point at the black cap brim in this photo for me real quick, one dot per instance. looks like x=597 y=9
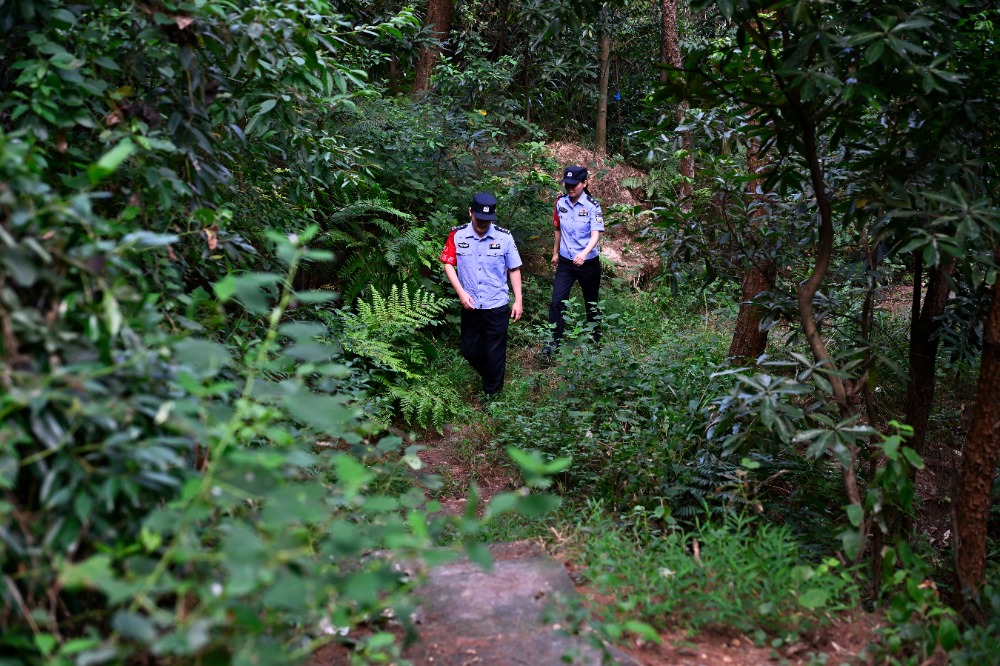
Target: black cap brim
x=486 y=217
x=571 y=181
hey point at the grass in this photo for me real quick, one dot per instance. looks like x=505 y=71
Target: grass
x=736 y=574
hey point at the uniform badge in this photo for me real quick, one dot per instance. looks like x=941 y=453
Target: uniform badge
x=463 y=245
x=494 y=246
x=584 y=213
x=563 y=209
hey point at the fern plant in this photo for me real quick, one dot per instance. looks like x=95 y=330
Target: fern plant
x=385 y=331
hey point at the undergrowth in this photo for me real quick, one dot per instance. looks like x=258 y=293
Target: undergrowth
x=735 y=574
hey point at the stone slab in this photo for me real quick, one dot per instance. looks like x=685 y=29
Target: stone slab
x=509 y=615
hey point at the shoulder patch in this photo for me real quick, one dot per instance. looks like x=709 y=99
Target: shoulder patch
x=502 y=230
x=461 y=226
x=596 y=202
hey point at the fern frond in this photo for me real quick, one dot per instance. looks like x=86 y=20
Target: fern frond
x=426 y=402
x=399 y=313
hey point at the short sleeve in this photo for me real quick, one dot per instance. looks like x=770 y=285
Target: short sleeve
x=448 y=255
x=512 y=257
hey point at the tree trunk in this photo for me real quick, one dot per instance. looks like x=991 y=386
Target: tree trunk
x=601 y=147
x=749 y=341
x=924 y=325
x=394 y=74
x=670 y=54
x=438 y=22
x=979 y=461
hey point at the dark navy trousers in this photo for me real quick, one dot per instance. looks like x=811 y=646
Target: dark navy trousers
x=484 y=344
x=589 y=276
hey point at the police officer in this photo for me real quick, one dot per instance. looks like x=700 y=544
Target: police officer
x=478 y=258
x=579 y=221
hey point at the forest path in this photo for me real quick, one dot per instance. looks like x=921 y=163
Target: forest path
x=470 y=616
x=515 y=613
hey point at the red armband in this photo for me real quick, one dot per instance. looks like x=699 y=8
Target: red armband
x=448 y=255
x=555 y=216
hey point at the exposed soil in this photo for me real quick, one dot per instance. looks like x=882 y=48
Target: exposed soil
x=461 y=457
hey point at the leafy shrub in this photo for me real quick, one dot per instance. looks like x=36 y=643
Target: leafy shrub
x=385 y=334
x=627 y=411
x=736 y=574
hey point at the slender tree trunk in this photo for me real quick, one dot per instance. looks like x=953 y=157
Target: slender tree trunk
x=979 y=461
x=438 y=22
x=602 y=108
x=527 y=81
x=670 y=54
x=749 y=341
x=394 y=74
x=501 y=46
x=924 y=325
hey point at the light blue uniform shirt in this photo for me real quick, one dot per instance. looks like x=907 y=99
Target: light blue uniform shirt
x=482 y=263
x=576 y=221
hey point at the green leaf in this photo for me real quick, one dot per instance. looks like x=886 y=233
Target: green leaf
x=324 y=414
x=813 y=598
x=111 y=160
x=913 y=457
x=45 y=643
x=855 y=514
x=479 y=554
x=86 y=574
x=537 y=505
x=249 y=290
x=134 y=626
x=852 y=541
x=891 y=448
x=351 y=473
x=150 y=239
x=644 y=630
x=948 y=634
x=203 y=356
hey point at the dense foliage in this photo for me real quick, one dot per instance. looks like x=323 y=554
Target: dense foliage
x=220 y=309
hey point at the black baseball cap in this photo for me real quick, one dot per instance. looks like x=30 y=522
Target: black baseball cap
x=574 y=174
x=484 y=206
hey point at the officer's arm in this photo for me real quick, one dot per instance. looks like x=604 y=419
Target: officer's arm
x=580 y=258
x=467 y=301
x=555 y=247
x=595 y=236
x=515 y=285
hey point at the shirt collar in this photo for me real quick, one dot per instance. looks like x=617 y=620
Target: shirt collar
x=471 y=232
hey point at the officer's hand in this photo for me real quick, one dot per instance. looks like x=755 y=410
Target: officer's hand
x=467 y=301
x=515 y=311
x=555 y=258
x=579 y=259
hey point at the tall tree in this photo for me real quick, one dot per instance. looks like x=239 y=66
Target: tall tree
x=749 y=340
x=979 y=460
x=670 y=55
x=437 y=25
x=601 y=142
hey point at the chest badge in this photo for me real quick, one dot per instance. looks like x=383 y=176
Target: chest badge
x=494 y=246
x=463 y=245
x=584 y=213
x=563 y=209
